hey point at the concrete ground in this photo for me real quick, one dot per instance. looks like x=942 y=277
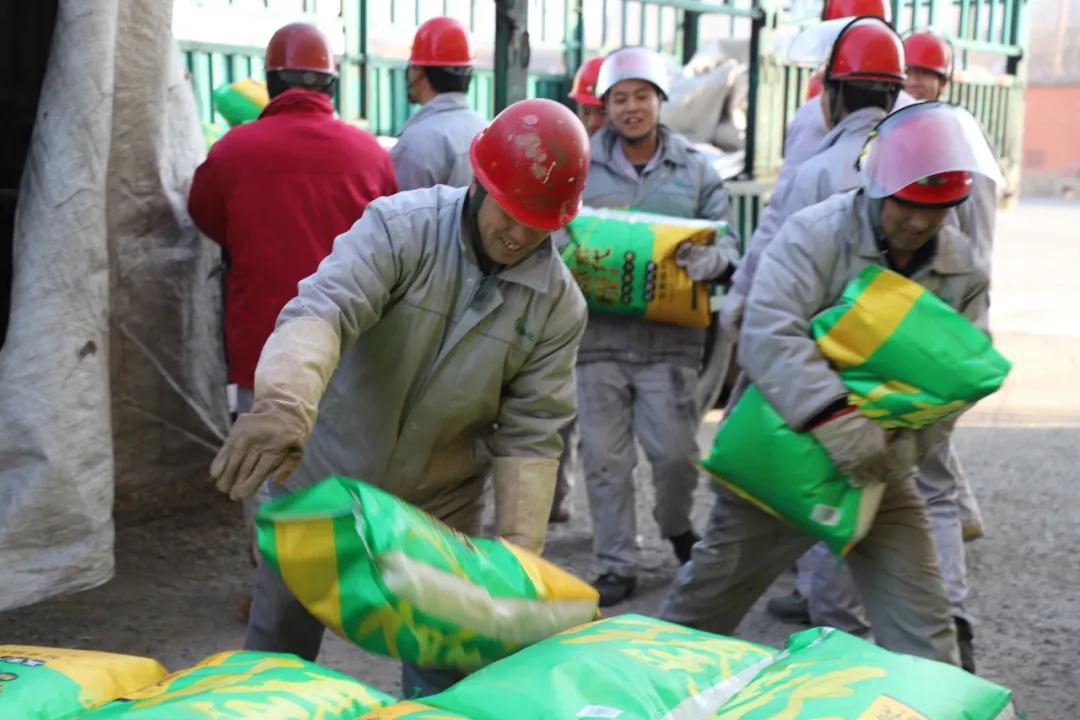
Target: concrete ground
x=179 y=577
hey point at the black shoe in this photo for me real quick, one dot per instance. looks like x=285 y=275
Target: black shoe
x=683 y=544
x=965 y=638
x=614 y=588
x=791 y=609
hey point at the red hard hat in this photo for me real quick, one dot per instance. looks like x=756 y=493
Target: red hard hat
x=814 y=86
x=442 y=42
x=583 y=91
x=300 y=46
x=929 y=51
x=533 y=160
x=854 y=8
x=942 y=190
x=867 y=50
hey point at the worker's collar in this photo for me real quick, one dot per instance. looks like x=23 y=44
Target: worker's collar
x=607 y=150
x=447 y=101
x=534 y=272
x=443 y=102
x=299 y=100
x=947 y=253
x=860 y=122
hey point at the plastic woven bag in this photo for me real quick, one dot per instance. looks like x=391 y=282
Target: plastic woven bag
x=908 y=358
x=268 y=686
x=825 y=673
x=241 y=101
x=627 y=667
x=789 y=474
x=624 y=263
x=39 y=683
x=398 y=582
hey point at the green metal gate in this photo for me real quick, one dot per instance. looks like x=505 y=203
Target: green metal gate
x=374 y=39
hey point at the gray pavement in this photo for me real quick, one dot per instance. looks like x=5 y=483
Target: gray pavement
x=179 y=577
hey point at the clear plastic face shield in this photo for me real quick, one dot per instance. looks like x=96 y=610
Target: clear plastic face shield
x=813 y=46
x=922 y=140
x=635 y=63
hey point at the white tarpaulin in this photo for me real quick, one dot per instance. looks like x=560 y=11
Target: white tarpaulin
x=112 y=369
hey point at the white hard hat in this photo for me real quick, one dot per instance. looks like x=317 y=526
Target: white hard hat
x=632 y=63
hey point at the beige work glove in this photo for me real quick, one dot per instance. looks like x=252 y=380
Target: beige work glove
x=856 y=445
x=524 y=492
x=293 y=370
x=701 y=262
x=732 y=312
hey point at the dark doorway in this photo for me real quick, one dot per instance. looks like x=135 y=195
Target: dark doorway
x=26 y=29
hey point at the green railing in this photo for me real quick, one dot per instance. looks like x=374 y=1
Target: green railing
x=564 y=32
x=373 y=87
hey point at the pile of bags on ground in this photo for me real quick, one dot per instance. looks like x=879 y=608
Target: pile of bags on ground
x=628 y=667
x=49 y=684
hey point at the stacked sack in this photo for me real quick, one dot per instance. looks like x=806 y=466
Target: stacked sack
x=908 y=360
x=54 y=684
x=638 y=668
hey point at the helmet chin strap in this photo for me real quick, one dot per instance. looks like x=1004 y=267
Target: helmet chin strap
x=411 y=85
x=487 y=265
x=836 y=103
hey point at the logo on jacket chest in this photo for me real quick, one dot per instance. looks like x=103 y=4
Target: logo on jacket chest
x=522 y=330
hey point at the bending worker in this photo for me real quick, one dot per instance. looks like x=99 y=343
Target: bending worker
x=435 y=345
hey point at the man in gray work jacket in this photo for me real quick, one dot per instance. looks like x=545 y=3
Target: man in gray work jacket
x=434 y=346
x=636 y=379
x=433 y=146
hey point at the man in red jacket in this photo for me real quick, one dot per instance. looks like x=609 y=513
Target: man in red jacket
x=274 y=194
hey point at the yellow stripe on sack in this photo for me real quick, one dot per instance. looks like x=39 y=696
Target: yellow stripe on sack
x=550 y=580
x=695 y=311
x=308 y=562
x=406 y=708
x=878 y=311
x=101 y=676
x=254 y=91
x=887 y=707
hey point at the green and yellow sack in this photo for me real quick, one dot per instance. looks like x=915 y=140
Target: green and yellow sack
x=268 y=686
x=825 y=673
x=398 y=582
x=627 y=667
x=789 y=474
x=241 y=101
x=624 y=263
x=39 y=683
x=908 y=358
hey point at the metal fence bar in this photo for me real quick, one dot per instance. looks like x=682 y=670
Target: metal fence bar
x=709 y=7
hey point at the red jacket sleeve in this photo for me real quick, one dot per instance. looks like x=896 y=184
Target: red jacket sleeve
x=206 y=202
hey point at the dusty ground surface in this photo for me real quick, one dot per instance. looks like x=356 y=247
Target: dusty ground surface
x=179 y=576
